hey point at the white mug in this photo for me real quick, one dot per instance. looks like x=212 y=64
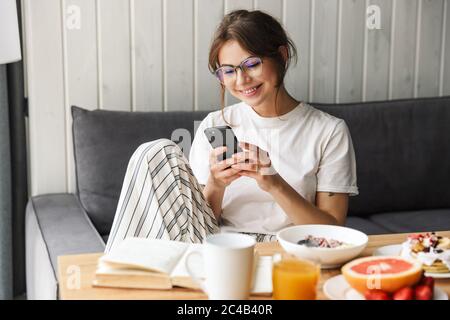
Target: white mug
x=227 y=264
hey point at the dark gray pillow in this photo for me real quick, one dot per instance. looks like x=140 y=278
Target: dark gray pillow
x=104 y=142
x=402 y=152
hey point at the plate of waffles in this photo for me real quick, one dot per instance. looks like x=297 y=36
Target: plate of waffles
x=431 y=250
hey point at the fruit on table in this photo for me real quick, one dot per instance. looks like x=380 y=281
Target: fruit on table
x=377 y=295
x=406 y=293
x=389 y=273
x=428 y=281
x=423 y=292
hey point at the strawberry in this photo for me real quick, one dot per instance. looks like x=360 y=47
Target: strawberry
x=406 y=293
x=427 y=281
x=376 y=295
x=415 y=236
x=423 y=292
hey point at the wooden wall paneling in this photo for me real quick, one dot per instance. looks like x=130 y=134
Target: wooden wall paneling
x=445 y=84
x=148 y=55
x=80 y=59
x=404 y=51
x=114 y=43
x=46 y=96
x=230 y=5
x=298 y=26
x=351 y=51
x=179 y=55
x=429 y=60
x=325 y=32
x=274 y=8
x=377 y=55
x=208 y=15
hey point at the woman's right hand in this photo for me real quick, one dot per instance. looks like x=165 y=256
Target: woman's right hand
x=221 y=173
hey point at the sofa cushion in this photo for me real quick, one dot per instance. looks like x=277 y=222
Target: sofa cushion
x=365 y=225
x=414 y=221
x=104 y=142
x=402 y=153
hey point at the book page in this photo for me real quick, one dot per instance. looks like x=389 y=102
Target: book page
x=147 y=254
x=106 y=269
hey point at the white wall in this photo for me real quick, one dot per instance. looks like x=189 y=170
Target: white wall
x=143 y=55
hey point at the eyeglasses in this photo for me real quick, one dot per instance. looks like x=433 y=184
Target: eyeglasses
x=227 y=74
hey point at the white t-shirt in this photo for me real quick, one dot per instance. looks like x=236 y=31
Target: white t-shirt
x=310 y=149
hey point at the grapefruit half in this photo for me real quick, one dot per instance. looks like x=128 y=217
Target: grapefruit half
x=388 y=273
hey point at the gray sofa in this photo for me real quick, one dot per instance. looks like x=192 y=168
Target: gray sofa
x=403 y=165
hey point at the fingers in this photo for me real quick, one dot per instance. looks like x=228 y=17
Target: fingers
x=230 y=179
x=218 y=166
x=227 y=174
x=264 y=159
x=248 y=146
x=221 y=170
x=216 y=152
x=246 y=155
x=214 y=162
x=252 y=159
x=246 y=166
x=256 y=153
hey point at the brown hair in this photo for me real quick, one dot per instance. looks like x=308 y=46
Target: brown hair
x=260 y=34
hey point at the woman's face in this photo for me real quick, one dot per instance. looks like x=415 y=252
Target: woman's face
x=233 y=54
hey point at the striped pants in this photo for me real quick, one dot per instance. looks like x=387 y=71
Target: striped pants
x=162 y=199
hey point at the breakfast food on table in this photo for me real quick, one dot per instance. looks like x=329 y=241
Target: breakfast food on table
x=431 y=250
x=321 y=242
x=295 y=279
x=388 y=274
x=423 y=290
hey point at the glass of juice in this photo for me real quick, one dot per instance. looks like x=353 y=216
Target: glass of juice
x=295 y=279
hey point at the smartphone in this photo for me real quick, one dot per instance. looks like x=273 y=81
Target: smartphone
x=222 y=136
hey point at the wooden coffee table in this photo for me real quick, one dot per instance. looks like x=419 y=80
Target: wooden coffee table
x=76 y=273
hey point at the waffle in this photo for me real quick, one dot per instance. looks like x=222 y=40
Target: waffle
x=429 y=247
x=437 y=267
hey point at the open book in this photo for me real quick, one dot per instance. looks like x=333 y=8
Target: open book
x=160 y=264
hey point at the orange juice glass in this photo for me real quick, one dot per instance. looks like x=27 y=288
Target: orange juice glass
x=295 y=279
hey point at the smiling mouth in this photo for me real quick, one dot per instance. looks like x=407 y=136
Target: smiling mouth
x=251 y=90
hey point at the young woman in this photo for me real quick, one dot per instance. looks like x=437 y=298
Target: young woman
x=297 y=165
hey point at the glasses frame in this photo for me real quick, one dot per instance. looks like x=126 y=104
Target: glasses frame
x=240 y=66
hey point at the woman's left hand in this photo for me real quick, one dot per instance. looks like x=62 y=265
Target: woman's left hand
x=255 y=163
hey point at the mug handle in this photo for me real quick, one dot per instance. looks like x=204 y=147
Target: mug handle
x=192 y=274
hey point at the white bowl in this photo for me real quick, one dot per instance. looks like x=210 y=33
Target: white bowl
x=326 y=257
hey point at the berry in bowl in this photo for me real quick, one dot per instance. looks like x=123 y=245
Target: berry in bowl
x=329 y=245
